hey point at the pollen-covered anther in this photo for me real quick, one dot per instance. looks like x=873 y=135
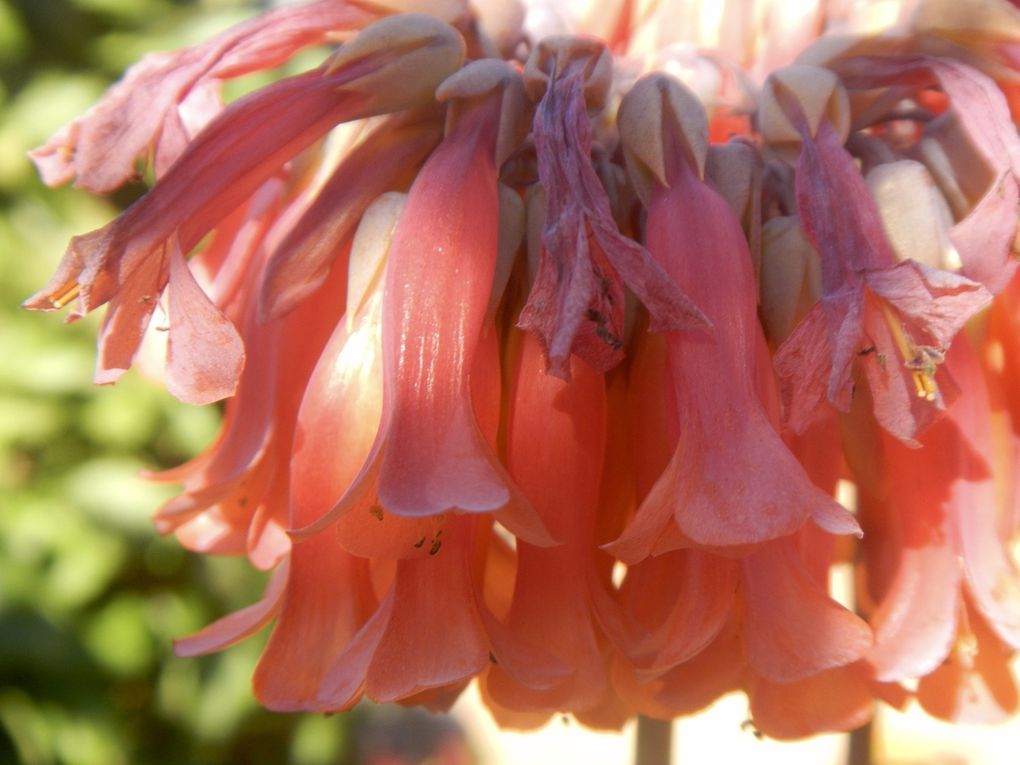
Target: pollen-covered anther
x=816 y=92
x=556 y=56
x=398 y=62
x=922 y=360
x=69 y=292
x=483 y=80
x=655 y=106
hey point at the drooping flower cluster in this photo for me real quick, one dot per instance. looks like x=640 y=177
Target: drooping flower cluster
x=544 y=354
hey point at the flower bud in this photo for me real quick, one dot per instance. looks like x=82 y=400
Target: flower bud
x=553 y=56
x=914 y=214
x=655 y=104
x=398 y=62
x=479 y=79
x=818 y=94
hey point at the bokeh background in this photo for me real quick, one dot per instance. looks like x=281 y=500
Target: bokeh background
x=90 y=596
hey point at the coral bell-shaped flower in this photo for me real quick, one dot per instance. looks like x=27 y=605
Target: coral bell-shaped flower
x=731 y=480
x=896 y=320
x=576 y=304
x=429 y=455
x=129 y=261
x=555 y=452
x=934 y=555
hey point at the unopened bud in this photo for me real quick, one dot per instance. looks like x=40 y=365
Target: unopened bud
x=450 y=11
x=398 y=62
x=655 y=110
x=490 y=78
x=914 y=213
x=555 y=57
x=369 y=249
x=736 y=171
x=801 y=93
x=960 y=169
x=511 y=234
x=790 y=277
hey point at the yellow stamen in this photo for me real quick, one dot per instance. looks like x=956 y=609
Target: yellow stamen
x=921 y=360
x=66 y=295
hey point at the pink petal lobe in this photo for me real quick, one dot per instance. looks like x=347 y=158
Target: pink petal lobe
x=703 y=600
x=434 y=635
x=440 y=270
x=237 y=626
x=985 y=236
x=205 y=354
x=834 y=700
x=792 y=629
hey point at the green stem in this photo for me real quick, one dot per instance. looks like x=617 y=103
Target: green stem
x=654 y=742
x=859 y=752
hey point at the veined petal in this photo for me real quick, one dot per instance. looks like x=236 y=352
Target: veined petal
x=732 y=481
x=385 y=160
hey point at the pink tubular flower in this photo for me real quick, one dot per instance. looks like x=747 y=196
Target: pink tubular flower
x=731 y=480
x=555 y=453
x=429 y=455
x=939 y=579
x=894 y=319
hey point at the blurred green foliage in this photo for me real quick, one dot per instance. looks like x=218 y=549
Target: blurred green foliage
x=90 y=596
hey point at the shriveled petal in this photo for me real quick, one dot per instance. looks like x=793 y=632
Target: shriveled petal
x=936 y=302
x=576 y=288
x=827 y=179
x=101 y=147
